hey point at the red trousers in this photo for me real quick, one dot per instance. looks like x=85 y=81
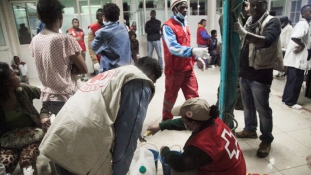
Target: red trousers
x=186 y=81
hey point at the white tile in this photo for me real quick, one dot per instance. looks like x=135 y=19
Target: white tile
x=285 y=152
x=303 y=136
x=253 y=163
x=289 y=121
x=302 y=170
x=276 y=173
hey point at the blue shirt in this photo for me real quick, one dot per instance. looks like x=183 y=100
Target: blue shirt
x=173 y=46
x=213 y=44
x=113 y=43
x=205 y=35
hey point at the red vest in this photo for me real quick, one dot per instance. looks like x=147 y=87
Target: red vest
x=221 y=145
x=200 y=40
x=76 y=34
x=94 y=27
x=172 y=62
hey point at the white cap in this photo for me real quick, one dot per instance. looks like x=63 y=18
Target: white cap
x=174 y=2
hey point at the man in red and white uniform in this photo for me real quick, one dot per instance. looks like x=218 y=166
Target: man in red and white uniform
x=179 y=58
x=78 y=34
x=211 y=149
x=91 y=35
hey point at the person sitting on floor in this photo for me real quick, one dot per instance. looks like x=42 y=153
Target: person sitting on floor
x=211 y=148
x=20 y=69
x=18 y=120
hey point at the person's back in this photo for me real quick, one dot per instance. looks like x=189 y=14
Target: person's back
x=51 y=53
x=227 y=157
x=111 y=118
x=112 y=41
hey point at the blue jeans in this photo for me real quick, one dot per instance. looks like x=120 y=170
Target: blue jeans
x=157 y=45
x=135 y=97
x=293 y=85
x=255 y=97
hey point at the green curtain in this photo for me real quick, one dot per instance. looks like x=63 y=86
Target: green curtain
x=231 y=47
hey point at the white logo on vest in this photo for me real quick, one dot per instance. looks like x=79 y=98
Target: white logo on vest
x=98 y=81
x=231 y=149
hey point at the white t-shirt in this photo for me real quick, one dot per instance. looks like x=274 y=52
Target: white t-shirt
x=299 y=60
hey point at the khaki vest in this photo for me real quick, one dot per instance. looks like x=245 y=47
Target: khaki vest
x=81 y=136
x=266 y=58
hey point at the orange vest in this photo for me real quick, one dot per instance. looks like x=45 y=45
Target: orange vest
x=172 y=62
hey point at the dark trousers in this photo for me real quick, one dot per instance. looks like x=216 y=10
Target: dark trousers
x=293 y=85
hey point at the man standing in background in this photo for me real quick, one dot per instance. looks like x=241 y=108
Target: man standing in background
x=91 y=35
x=152 y=28
x=296 y=58
x=78 y=34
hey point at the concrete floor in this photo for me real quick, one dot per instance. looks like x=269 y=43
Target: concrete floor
x=292 y=130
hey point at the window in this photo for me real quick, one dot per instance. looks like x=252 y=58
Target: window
x=198 y=7
x=84 y=10
x=219 y=7
x=159 y=7
x=2 y=40
x=295 y=11
x=133 y=11
x=277 y=7
x=70 y=12
x=26 y=21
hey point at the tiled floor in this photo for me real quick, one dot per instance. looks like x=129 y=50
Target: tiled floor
x=292 y=130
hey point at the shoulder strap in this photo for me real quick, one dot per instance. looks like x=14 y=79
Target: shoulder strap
x=268 y=18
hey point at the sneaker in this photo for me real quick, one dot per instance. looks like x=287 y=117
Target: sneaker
x=247 y=134
x=212 y=66
x=264 y=149
x=296 y=106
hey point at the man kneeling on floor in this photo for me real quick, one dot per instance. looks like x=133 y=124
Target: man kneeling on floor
x=102 y=121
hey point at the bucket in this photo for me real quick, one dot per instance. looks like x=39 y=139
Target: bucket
x=156 y=157
x=166 y=168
